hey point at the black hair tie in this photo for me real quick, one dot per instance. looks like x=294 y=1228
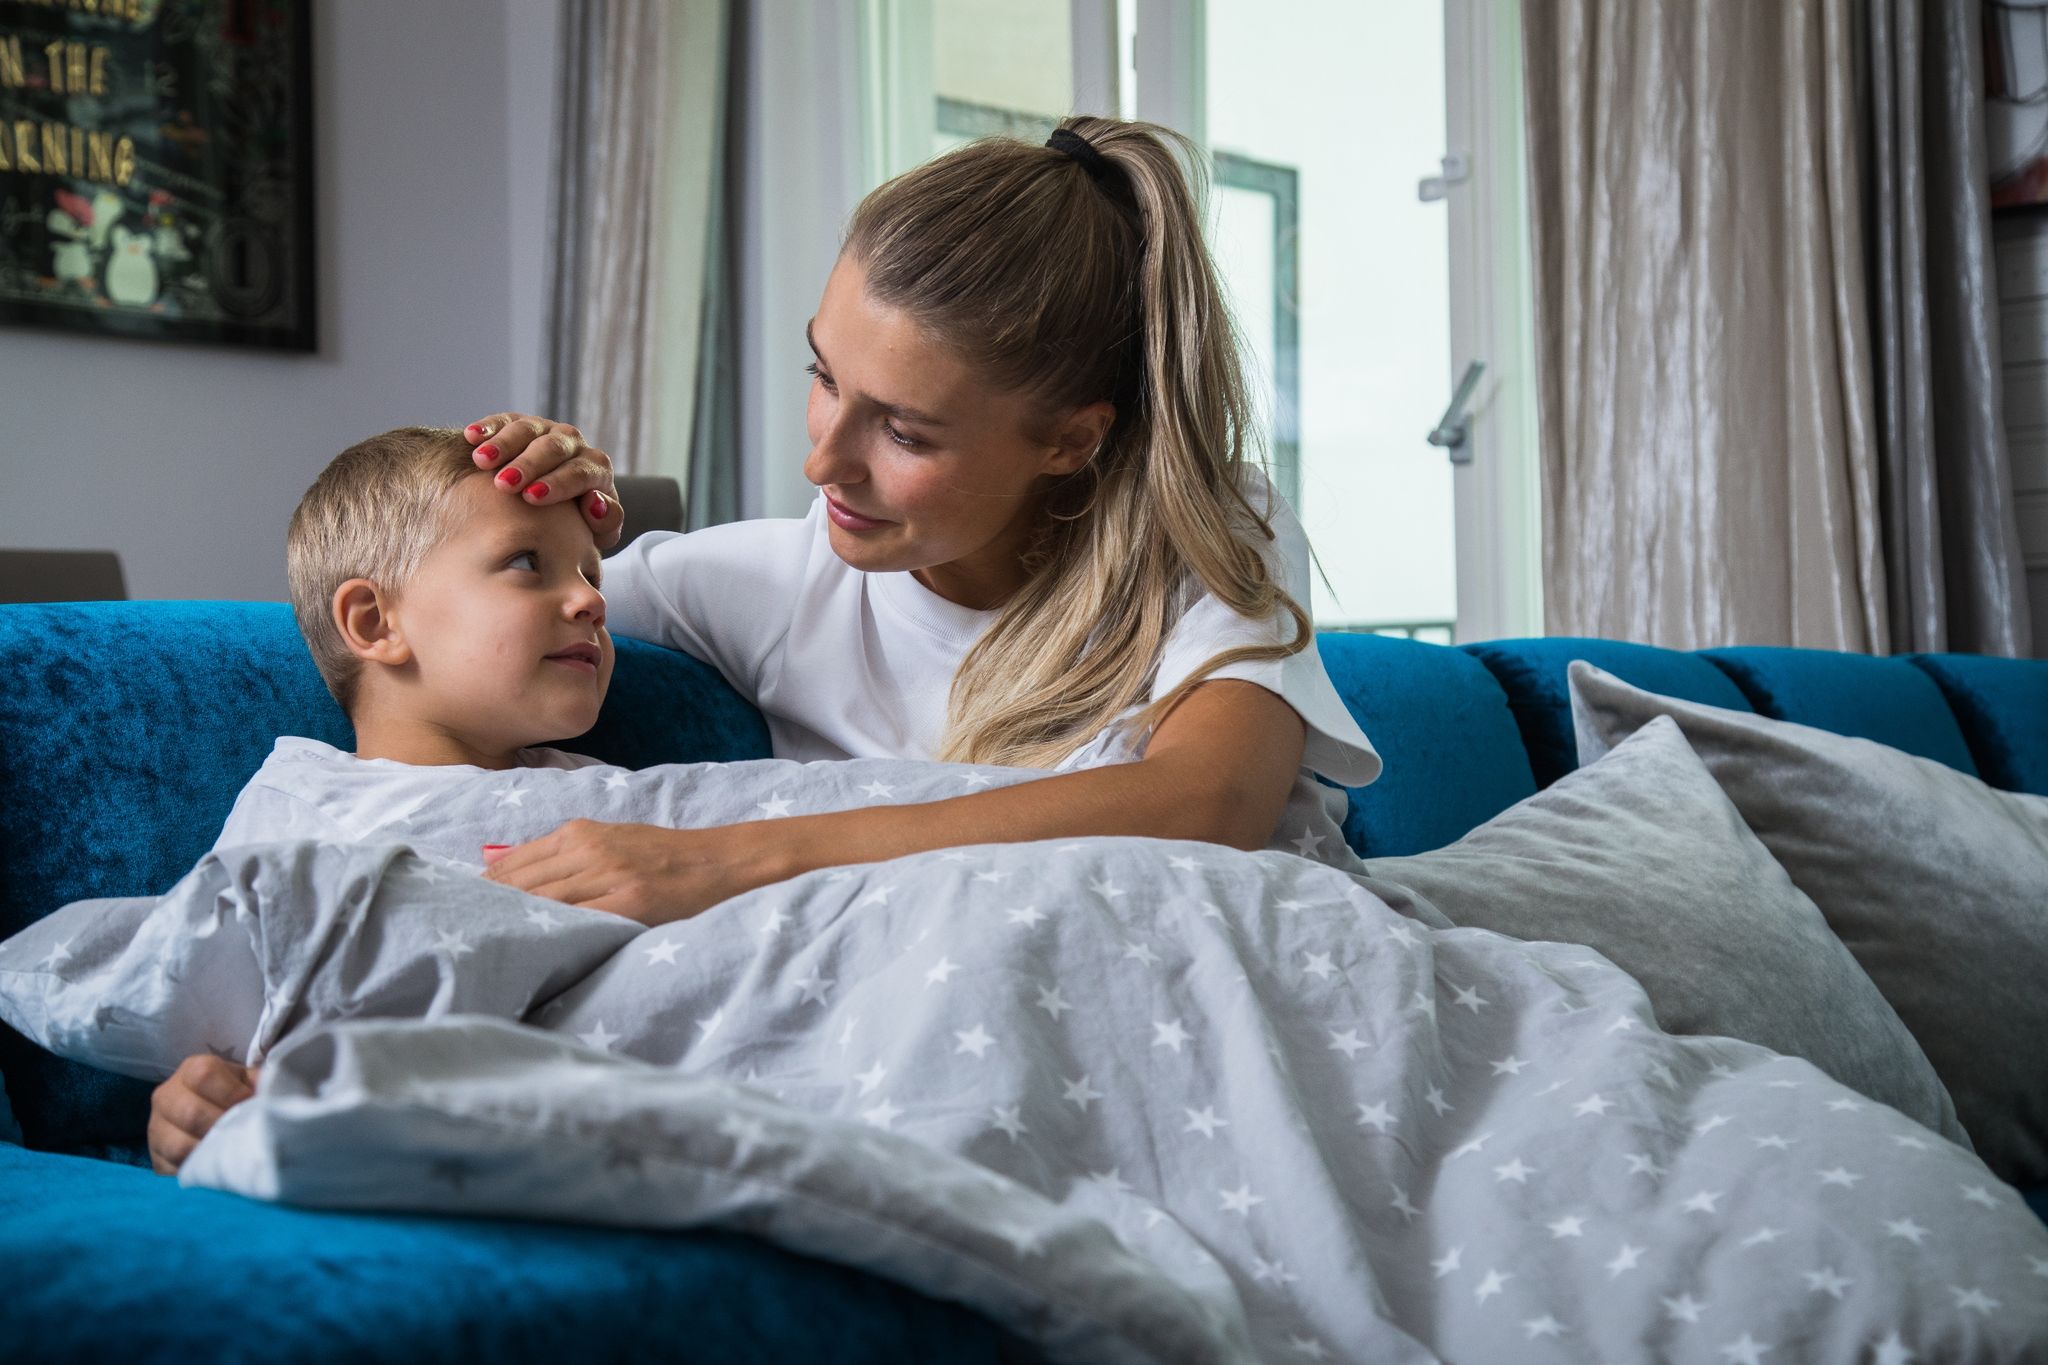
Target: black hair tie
x=1074 y=145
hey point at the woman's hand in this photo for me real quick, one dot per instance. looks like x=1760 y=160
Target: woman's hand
x=643 y=872
x=547 y=462
x=184 y=1108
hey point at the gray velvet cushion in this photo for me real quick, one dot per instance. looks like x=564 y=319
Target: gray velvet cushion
x=1937 y=883
x=1641 y=857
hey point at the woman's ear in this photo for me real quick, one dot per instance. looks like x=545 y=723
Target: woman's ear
x=362 y=613
x=1080 y=437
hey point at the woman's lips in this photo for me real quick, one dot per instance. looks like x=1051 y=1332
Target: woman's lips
x=572 y=661
x=852 y=521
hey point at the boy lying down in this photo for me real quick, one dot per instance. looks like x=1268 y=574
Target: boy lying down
x=460 y=630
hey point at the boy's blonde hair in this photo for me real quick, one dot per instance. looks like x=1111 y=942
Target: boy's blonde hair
x=373 y=513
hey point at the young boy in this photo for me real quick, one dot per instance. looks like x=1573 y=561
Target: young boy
x=456 y=626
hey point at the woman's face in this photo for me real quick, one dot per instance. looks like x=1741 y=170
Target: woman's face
x=931 y=467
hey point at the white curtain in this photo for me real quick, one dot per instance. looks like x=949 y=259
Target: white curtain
x=641 y=90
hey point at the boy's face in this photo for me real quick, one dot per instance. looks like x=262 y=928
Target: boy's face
x=505 y=623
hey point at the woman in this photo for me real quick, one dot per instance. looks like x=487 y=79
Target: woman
x=1038 y=541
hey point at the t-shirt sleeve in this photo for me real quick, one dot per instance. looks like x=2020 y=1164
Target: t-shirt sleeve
x=723 y=594
x=1337 y=748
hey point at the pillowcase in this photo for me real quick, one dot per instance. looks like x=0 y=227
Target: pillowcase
x=1937 y=883
x=1642 y=857
x=10 y=1131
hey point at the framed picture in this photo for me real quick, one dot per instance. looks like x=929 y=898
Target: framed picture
x=156 y=169
x=2016 y=102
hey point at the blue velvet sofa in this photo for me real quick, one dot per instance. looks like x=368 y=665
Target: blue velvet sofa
x=127 y=728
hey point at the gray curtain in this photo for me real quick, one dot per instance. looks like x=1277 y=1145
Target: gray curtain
x=713 y=494
x=1953 y=568
x=1704 y=357
x=600 y=361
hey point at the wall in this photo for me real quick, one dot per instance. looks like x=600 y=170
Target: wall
x=431 y=182
x=2022 y=246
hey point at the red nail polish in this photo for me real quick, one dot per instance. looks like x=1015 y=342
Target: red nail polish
x=487 y=453
x=537 y=491
x=497 y=847
x=474 y=426
x=509 y=477
x=599 y=508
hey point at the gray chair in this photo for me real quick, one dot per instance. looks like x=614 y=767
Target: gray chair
x=61 y=576
x=654 y=502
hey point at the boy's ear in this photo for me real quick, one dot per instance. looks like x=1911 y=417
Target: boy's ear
x=362 y=613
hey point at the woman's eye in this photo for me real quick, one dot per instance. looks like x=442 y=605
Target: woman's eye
x=812 y=370
x=525 y=559
x=907 y=442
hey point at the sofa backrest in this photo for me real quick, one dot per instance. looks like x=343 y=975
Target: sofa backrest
x=126 y=728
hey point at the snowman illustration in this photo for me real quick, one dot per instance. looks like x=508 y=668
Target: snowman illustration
x=131 y=270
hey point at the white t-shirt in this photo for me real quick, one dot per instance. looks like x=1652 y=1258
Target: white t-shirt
x=310 y=790
x=848 y=664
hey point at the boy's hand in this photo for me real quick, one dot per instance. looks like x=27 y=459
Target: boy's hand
x=547 y=462
x=190 y=1103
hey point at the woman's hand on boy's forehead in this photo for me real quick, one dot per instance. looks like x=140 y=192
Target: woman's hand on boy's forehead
x=547 y=462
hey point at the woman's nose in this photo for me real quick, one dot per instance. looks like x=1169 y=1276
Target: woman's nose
x=829 y=462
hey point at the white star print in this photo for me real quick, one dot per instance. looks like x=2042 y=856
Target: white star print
x=1572 y=1225
x=975 y=1040
x=1972 y=1298
x=1052 y=1002
x=1763 y=1237
x=1008 y=1119
x=1239 y=1201
x=1639 y=1163
x=1553 y=1088
x=1509 y=1065
x=1310 y=843
x=1348 y=1042
x=991 y=876
x=773 y=922
x=1545 y=1326
x=1703 y=1202
x=1826 y=1281
x=1140 y=952
x=875 y=791
x=1027 y=917
x=977 y=780
x=1080 y=1092
x=599 y=1037
x=774 y=808
x=541 y=919
x=1892 y=1351
x=813 y=987
x=872 y=1077
x=1746 y=1351
x=710 y=1024
x=664 y=952
x=1399 y=1204
x=1182 y=862
x=1318 y=966
x=882 y=1115
x=1205 y=1121
x=1906 y=1228
x=1169 y=1035
x=1471 y=999
x=2039 y=1265
x=1425 y=1002
x=1307 y=1346
x=1721 y=1071
x=1782 y=1144
x=1470 y=1147
x=1490 y=1286
x=1684 y=1308
x=846 y=1034
x=1664 y=1074
x=1514 y=1170
x=429 y=873
x=1434 y=1098
x=1781 y=1085
x=1447 y=1262
x=449 y=942
x=747 y=1133
x=942 y=969
x=1374 y=1116
x=1908 y=1140
x=1264 y=1270
x=1622 y=1024
x=1594 y=1105
x=512 y=796
x=879 y=896
x=1401 y=934
x=1105 y=888
x=1977 y=1194
x=1713 y=1121
x=1113 y=1181
x=614 y=780
x=1625 y=1259
x=1845 y=1106
x=1839 y=1176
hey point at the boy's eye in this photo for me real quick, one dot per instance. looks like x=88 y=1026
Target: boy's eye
x=525 y=559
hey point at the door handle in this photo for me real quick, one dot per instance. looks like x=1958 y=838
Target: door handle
x=1454 y=427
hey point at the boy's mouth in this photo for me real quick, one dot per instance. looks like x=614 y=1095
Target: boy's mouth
x=584 y=657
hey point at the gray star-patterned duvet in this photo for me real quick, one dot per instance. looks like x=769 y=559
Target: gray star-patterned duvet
x=1136 y=1100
